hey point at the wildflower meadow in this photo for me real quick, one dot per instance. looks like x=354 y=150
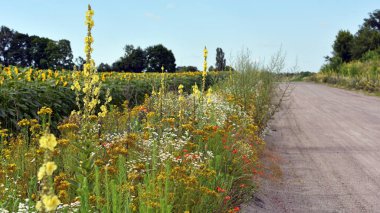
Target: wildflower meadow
x=83 y=141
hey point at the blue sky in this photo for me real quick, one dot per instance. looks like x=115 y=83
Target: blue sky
x=304 y=29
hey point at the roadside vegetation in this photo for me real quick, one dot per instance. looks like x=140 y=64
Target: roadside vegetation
x=355 y=60
x=111 y=142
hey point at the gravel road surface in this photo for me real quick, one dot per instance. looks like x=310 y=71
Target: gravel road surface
x=327 y=142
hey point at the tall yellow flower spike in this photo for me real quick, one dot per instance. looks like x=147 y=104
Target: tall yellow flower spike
x=204 y=74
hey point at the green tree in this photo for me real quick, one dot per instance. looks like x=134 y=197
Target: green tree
x=136 y=60
x=18 y=53
x=373 y=22
x=6 y=37
x=228 y=68
x=366 y=39
x=104 y=67
x=368 y=36
x=38 y=53
x=23 y=50
x=65 y=60
x=186 y=69
x=342 y=45
x=220 y=60
x=158 y=56
x=79 y=62
x=46 y=53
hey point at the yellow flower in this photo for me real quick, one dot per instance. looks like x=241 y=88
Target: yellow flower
x=44 y=111
x=23 y=122
x=50 y=202
x=48 y=141
x=92 y=104
x=95 y=79
x=86 y=87
x=68 y=126
x=88 y=39
x=75 y=86
x=39 y=206
x=50 y=167
x=104 y=111
x=96 y=91
x=50 y=73
x=41 y=172
x=63 y=142
x=208 y=95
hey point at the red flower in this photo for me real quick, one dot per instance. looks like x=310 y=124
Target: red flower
x=185 y=150
x=237 y=209
x=234 y=151
x=227 y=198
x=218 y=189
x=224 y=140
x=215 y=128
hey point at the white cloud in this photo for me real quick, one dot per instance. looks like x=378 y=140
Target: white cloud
x=152 y=16
x=170 y=6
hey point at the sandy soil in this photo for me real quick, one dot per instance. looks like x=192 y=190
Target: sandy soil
x=327 y=142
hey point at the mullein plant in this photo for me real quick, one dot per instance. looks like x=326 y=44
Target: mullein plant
x=204 y=73
x=48 y=200
x=162 y=91
x=89 y=130
x=91 y=80
x=181 y=104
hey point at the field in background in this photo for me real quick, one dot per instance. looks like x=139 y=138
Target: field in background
x=24 y=91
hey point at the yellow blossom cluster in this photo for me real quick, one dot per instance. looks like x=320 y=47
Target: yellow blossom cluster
x=45 y=111
x=48 y=141
x=46 y=169
x=204 y=73
x=48 y=202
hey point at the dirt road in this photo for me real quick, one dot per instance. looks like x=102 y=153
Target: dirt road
x=327 y=141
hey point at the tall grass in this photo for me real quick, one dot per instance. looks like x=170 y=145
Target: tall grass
x=253 y=84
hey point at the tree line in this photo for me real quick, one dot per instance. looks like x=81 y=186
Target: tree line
x=33 y=51
x=348 y=47
x=22 y=50
x=152 y=58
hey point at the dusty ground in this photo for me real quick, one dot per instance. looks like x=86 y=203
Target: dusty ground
x=327 y=145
